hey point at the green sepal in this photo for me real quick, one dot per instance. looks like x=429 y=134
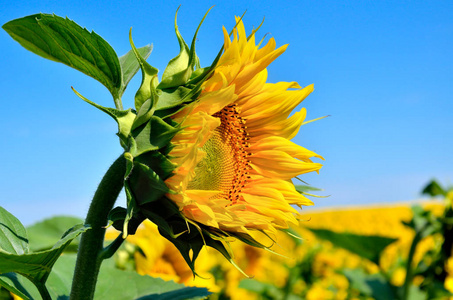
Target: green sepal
x=146 y=112
x=179 y=70
x=130 y=65
x=172 y=97
x=249 y=240
x=147 y=88
x=199 y=74
x=124 y=118
x=131 y=208
x=153 y=135
x=160 y=212
x=129 y=163
x=117 y=217
x=158 y=162
x=146 y=185
x=188 y=236
x=192 y=241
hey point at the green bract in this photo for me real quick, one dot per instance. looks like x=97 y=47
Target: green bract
x=145 y=134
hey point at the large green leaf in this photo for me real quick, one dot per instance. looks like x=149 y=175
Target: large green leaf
x=62 y=40
x=130 y=65
x=17 y=262
x=117 y=284
x=43 y=235
x=13 y=237
x=19 y=285
x=265 y=290
x=366 y=246
x=37 y=266
x=374 y=285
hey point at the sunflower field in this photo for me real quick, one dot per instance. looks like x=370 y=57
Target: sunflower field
x=347 y=253
x=316 y=266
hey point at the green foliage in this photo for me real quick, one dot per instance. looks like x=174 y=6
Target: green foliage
x=43 y=235
x=13 y=237
x=124 y=285
x=374 y=285
x=369 y=247
x=266 y=290
x=62 y=40
x=16 y=257
x=434 y=189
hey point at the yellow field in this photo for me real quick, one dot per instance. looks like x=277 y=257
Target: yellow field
x=159 y=257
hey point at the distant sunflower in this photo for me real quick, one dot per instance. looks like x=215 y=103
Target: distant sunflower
x=234 y=158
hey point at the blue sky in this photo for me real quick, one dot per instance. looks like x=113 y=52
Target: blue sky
x=383 y=70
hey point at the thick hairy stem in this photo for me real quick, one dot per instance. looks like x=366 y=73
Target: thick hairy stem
x=91 y=244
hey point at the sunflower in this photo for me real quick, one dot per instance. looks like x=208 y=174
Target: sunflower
x=234 y=158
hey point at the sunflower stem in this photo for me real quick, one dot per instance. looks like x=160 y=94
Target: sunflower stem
x=409 y=267
x=91 y=245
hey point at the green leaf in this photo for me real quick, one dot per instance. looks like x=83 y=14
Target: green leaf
x=265 y=290
x=153 y=135
x=62 y=40
x=366 y=246
x=415 y=293
x=119 y=285
x=374 y=285
x=423 y=222
x=434 y=189
x=19 y=285
x=37 y=266
x=185 y=293
x=13 y=237
x=130 y=65
x=43 y=235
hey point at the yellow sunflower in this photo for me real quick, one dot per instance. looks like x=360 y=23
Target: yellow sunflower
x=234 y=158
